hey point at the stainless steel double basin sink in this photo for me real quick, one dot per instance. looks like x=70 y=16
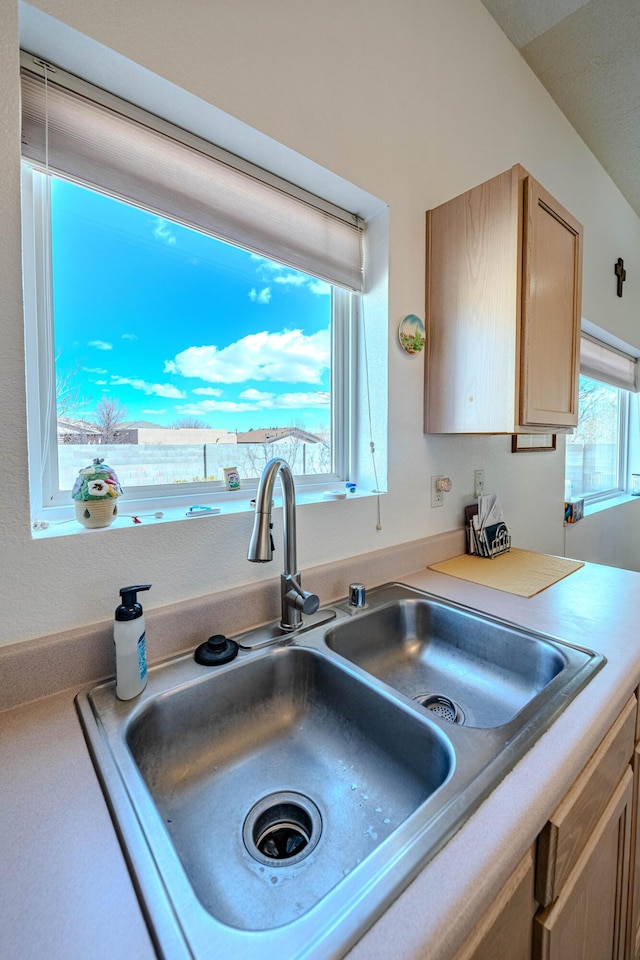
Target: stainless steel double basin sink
x=276 y=805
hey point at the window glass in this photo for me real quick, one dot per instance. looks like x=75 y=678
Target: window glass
x=593 y=452
x=186 y=352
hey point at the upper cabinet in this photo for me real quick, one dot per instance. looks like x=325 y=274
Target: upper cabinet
x=504 y=282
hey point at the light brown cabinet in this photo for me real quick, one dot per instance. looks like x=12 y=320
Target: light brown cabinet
x=504 y=932
x=567 y=831
x=584 y=854
x=633 y=910
x=582 y=875
x=587 y=921
x=503 y=301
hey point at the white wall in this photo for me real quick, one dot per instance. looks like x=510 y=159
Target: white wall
x=412 y=100
x=608 y=536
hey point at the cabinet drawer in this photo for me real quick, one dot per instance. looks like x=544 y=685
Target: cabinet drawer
x=565 y=835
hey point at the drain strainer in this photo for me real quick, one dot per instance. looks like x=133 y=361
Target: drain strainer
x=443 y=707
x=282 y=829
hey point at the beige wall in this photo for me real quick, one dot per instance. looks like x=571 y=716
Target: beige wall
x=412 y=100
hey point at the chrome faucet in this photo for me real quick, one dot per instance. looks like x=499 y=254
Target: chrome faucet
x=295 y=600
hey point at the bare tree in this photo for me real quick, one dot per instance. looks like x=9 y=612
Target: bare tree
x=255 y=456
x=295 y=450
x=190 y=423
x=598 y=413
x=69 y=397
x=110 y=414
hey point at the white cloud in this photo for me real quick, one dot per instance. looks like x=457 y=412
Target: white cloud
x=162 y=231
x=279 y=273
x=208 y=391
x=320 y=287
x=286 y=357
x=99 y=370
x=251 y=400
x=291 y=279
x=294 y=400
x=129 y=336
x=151 y=389
x=263 y=297
x=209 y=406
x=101 y=345
x=252 y=394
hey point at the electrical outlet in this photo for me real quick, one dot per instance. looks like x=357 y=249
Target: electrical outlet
x=437 y=495
x=478 y=483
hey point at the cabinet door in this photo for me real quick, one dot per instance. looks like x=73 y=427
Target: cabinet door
x=551 y=306
x=472 y=309
x=587 y=921
x=633 y=931
x=504 y=932
x=567 y=831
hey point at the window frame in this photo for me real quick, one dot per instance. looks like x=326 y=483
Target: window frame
x=47 y=499
x=624 y=397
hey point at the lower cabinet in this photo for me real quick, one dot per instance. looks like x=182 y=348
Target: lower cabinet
x=504 y=932
x=576 y=893
x=633 y=912
x=588 y=920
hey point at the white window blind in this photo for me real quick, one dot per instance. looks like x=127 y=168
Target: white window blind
x=608 y=365
x=92 y=137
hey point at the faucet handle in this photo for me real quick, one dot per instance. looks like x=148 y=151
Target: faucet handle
x=357 y=595
x=308 y=603
x=301 y=599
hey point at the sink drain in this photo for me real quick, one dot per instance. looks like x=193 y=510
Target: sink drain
x=443 y=707
x=282 y=829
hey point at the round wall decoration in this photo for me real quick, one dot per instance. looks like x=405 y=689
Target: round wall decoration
x=411 y=334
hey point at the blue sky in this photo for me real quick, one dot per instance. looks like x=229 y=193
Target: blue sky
x=171 y=323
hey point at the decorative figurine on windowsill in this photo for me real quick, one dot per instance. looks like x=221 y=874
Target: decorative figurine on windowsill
x=95 y=493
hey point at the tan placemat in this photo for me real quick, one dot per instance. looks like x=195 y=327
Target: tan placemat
x=519 y=571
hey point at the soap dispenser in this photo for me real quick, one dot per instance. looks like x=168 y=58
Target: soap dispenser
x=130 y=642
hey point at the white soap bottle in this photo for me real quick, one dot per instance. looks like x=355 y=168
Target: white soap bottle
x=131 y=644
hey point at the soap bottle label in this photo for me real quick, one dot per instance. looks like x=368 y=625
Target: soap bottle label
x=142 y=656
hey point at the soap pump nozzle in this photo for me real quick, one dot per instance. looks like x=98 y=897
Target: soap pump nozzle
x=130 y=609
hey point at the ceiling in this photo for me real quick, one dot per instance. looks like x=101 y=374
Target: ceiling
x=587 y=55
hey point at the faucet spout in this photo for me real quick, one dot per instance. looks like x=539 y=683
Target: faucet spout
x=295 y=600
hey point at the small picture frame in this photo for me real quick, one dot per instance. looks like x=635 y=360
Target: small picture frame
x=532 y=442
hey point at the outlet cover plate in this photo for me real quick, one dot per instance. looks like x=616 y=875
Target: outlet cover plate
x=437 y=495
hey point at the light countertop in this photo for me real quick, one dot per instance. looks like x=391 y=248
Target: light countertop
x=65 y=891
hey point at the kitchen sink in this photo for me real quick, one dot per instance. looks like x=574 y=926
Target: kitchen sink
x=277 y=804
x=281 y=774
x=455 y=662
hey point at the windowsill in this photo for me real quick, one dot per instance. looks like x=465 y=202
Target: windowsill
x=238 y=503
x=600 y=505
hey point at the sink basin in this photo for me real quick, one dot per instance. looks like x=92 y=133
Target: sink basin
x=276 y=805
x=455 y=662
x=283 y=772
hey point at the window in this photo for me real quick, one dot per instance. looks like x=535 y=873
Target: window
x=184 y=313
x=596 y=454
